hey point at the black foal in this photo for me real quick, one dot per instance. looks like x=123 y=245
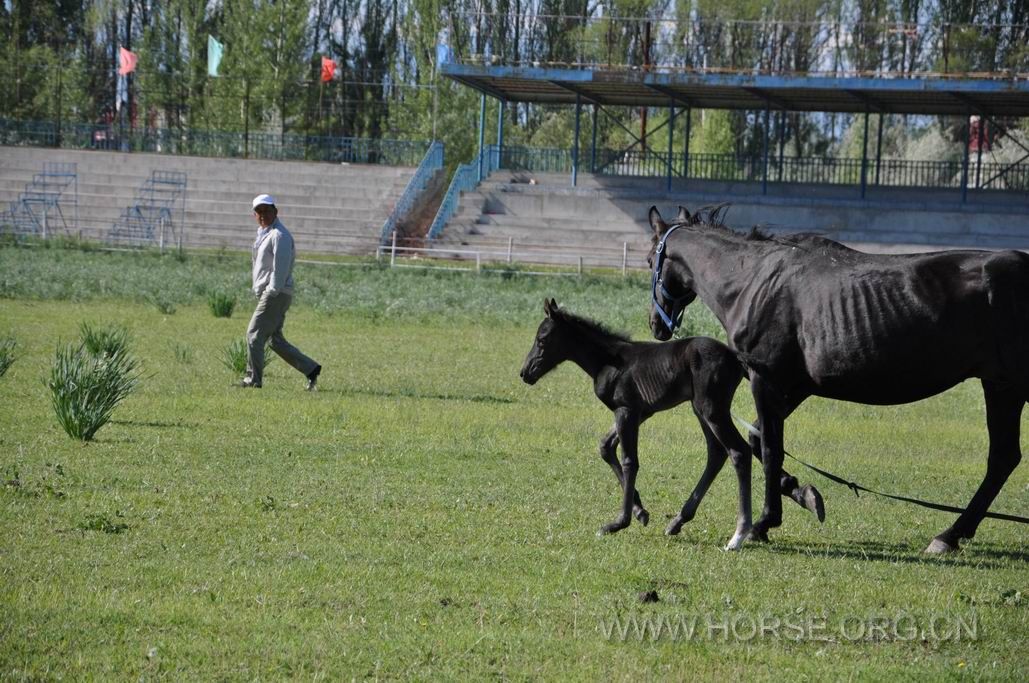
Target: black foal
x=636 y=380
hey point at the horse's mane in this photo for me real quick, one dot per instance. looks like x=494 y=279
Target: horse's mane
x=592 y=326
x=713 y=217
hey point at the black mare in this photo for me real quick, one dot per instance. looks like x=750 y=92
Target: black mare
x=811 y=317
x=636 y=380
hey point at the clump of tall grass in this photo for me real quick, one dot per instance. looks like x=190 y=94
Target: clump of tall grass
x=104 y=341
x=235 y=357
x=7 y=356
x=85 y=387
x=221 y=304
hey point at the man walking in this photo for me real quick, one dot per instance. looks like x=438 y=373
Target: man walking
x=273 y=258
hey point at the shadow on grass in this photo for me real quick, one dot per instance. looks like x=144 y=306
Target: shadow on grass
x=413 y=393
x=154 y=423
x=974 y=554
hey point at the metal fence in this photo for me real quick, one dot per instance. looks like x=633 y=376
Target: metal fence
x=205 y=143
x=728 y=167
x=432 y=163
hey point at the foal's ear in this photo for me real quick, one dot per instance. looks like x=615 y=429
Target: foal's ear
x=684 y=215
x=656 y=222
x=549 y=307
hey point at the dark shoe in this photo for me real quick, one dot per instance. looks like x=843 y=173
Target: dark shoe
x=247 y=384
x=312 y=379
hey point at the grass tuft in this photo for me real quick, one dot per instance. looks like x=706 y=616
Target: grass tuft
x=101 y=522
x=235 y=357
x=7 y=355
x=104 y=341
x=85 y=388
x=221 y=304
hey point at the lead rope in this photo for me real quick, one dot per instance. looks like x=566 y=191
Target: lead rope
x=855 y=487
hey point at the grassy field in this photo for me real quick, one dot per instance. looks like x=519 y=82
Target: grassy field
x=426 y=515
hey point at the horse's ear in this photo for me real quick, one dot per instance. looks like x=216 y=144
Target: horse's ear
x=549 y=307
x=684 y=215
x=658 y=225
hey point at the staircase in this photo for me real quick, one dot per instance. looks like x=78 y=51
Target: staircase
x=40 y=207
x=152 y=217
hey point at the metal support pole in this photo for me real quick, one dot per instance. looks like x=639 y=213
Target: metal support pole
x=510 y=249
x=686 y=149
x=964 y=161
x=160 y=240
x=764 y=152
x=580 y=265
x=625 y=256
x=864 y=158
x=782 y=141
x=44 y=222
x=593 y=143
x=575 y=142
x=393 y=251
x=671 y=139
x=979 y=151
x=500 y=133
x=482 y=130
x=879 y=149
x=478 y=262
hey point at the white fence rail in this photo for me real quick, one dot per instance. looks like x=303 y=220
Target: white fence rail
x=563 y=260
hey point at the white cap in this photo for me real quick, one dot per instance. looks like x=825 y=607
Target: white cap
x=263 y=199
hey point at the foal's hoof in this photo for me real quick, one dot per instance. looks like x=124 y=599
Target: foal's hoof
x=811 y=500
x=674 y=527
x=758 y=535
x=941 y=547
x=612 y=528
x=642 y=516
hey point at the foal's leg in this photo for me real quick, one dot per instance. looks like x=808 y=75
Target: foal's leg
x=609 y=453
x=721 y=426
x=1003 y=419
x=715 y=460
x=627 y=424
x=807 y=496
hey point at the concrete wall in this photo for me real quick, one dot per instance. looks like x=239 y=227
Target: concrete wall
x=328 y=207
x=543 y=212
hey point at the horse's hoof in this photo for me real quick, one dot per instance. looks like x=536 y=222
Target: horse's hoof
x=940 y=547
x=812 y=501
x=674 y=527
x=642 y=516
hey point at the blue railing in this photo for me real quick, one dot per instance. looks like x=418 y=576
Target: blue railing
x=207 y=143
x=432 y=162
x=466 y=177
x=729 y=167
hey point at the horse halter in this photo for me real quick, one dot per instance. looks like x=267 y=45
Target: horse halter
x=672 y=321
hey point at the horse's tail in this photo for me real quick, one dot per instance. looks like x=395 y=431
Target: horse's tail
x=1006 y=276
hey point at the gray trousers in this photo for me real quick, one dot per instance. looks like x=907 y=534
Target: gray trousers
x=265 y=325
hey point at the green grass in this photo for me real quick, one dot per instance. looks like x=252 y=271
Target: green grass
x=426 y=515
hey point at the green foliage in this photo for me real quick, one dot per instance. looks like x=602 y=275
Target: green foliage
x=108 y=340
x=713 y=133
x=221 y=304
x=104 y=523
x=234 y=357
x=85 y=388
x=8 y=345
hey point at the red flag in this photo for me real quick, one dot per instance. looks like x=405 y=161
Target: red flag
x=126 y=61
x=328 y=69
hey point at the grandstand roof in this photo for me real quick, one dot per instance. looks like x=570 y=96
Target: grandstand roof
x=926 y=94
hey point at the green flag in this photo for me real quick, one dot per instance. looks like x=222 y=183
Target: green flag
x=214 y=56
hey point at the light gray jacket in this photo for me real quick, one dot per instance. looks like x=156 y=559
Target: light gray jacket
x=273 y=258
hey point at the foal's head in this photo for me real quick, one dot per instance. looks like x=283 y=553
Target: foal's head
x=551 y=346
